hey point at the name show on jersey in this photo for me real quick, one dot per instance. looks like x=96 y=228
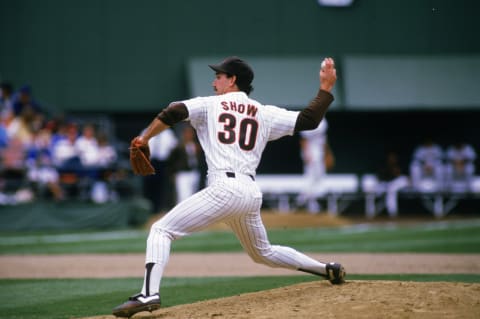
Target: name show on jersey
x=250 y=109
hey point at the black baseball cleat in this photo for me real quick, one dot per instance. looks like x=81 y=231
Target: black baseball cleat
x=137 y=303
x=335 y=273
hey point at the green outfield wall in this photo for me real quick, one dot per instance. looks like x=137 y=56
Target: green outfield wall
x=124 y=56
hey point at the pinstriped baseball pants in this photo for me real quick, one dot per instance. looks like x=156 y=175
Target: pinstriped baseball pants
x=235 y=201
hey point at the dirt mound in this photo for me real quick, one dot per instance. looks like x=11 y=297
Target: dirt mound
x=355 y=299
x=276 y=220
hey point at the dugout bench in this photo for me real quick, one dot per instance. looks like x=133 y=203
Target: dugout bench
x=437 y=199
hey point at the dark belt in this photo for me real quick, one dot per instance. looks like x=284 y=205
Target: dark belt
x=232 y=175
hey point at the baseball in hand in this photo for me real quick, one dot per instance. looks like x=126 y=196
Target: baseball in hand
x=324 y=63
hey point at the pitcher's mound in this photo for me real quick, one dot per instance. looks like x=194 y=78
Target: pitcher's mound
x=354 y=299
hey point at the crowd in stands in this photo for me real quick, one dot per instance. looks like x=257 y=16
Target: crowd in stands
x=44 y=156
x=50 y=157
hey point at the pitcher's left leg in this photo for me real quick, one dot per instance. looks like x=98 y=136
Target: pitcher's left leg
x=251 y=232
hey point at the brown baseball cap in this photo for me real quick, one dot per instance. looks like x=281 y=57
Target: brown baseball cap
x=235 y=66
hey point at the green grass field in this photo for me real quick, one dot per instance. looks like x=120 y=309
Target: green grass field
x=435 y=237
x=67 y=298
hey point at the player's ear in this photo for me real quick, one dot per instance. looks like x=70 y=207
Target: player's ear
x=233 y=80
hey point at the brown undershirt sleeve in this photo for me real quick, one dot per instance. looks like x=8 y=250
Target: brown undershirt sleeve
x=310 y=117
x=174 y=113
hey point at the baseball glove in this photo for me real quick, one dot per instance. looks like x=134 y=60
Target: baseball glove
x=140 y=158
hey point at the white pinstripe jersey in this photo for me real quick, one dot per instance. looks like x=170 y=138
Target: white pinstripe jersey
x=234 y=129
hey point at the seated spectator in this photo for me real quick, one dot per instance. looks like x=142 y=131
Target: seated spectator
x=59 y=128
x=426 y=168
x=14 y=186
x=106 y=153
x=41 y=172
x=104 y=187
x=3 y=136
x=24 y=100
x=6 y=102
x=19 y=127
x=67 y=161
x=65 y=156
x=27 y=111
x=45 y=178
x=87 y=147
x=460 y=166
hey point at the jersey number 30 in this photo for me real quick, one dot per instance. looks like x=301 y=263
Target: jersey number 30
x=246 y=131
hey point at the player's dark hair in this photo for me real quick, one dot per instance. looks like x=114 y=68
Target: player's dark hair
x=244 y=86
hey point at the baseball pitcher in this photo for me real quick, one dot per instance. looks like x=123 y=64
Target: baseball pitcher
x=233 y=131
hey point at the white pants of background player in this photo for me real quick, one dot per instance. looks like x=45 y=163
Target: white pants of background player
x=391 y=190
x=236 y=201
x=313 y=175
x=186 y=183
